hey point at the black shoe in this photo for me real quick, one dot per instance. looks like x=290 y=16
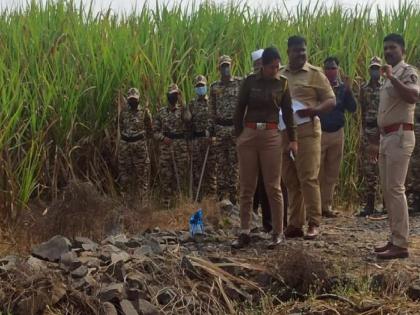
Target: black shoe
x=242 y=241
x=275 y=241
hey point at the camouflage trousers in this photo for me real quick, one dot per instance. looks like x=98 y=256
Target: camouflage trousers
x=227 y=164
x=208 y=186
x=134 y=168
x=413 y=178
x=370 y=171
x=171 y=167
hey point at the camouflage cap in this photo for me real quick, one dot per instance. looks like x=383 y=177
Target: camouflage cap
x=375 y=61
x=173 y=88
x=225 y=60
x=200 y=79
x=133 y=93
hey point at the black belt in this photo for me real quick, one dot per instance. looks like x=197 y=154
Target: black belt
x=132 y=139
x=199 y=134
x=171 y=135
x=224 y=122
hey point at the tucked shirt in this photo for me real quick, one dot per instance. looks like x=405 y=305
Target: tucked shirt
x=261 y=99
x=308 y=85
x=334 y=120
x=392 y=108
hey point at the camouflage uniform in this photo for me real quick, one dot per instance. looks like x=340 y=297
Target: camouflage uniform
x=223 y=99
x=133 y=157
x=369 y=101
x=170 y=123
x=202 y=128
x=414 y=173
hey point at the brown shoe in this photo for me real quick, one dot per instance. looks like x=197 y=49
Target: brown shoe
x=312 y=232
x=393 y=252
x=382 y=249
x=293 y=232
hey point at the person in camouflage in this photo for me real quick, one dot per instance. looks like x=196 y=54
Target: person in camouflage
x=170 y=127
x=202 y=130
x=369 y=102
x=414 y=173
x=223 y=99
x=135 y=126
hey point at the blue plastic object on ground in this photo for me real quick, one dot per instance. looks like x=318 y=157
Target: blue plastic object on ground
x=196 y=223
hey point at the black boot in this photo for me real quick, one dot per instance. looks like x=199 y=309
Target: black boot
x=369 y=209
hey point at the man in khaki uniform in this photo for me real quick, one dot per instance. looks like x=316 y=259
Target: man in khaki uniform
x=397 y=100
x=310 y=87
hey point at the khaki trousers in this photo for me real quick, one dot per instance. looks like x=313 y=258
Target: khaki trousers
x=301 y=176
x=394 y=157
x=260 y=149
x=332 y=146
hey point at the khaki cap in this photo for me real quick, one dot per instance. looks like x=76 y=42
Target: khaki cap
x=200 y=79
x=173 y=88
x=225 y=60
x=133 y=93
x=375 y=61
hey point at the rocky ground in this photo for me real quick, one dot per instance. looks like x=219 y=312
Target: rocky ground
x=161 y=271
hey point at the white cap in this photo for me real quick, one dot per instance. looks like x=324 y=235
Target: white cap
x=257 y=54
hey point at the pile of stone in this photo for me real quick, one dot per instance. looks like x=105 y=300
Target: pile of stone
x=157 y=272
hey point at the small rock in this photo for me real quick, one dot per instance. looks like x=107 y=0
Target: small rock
x=70 y=261
x=189 y=269
x=8 y=263
x=147 y=308
x=79 y=272
x=166 y=296
x=117 y=240
x=112 y=292
x=33 y=304
x=226 y=205
x=135 y=242
x=52 y=249
x=154 y=245
x=85 y=243
x=127 y=308
x=122 y=256
x=108 y=309
x=107 y=251
x=36 y=264
x=414 y=291
x=366 y=305
x=135 y=280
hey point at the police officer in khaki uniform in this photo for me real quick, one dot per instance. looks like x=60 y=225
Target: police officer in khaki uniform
x=310 y=87
x=259 y=142
x=397 y=100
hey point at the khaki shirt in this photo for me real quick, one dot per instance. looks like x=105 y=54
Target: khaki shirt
x=260 y=101
x=308 y=85
x=392 y=108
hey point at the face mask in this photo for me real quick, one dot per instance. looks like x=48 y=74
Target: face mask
x=172 y=98
x=225 y=71
x=331 y=74
x=375 y=74
x=201 y=90
x=133 y=103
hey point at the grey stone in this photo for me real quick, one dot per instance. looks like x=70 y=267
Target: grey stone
x=117 y=240
x=147 y=308
x=111 y=292
x=166 y=296
x=8 y=263
x=70 y=261
x=127 y=308
x=53 y=249
x=121 y=256
x=108 y=309
x=85 y=243
x=107 y=251
x=36 y=264
x=79 y=272
x=135 y=280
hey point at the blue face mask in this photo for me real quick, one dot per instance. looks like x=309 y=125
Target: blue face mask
x=201 y=90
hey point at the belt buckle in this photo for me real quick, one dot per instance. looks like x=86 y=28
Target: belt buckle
x=261 y=126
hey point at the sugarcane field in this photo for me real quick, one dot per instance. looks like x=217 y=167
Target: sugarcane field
x=210 y=157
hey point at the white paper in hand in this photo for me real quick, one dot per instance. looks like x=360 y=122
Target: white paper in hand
x=296 y=105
